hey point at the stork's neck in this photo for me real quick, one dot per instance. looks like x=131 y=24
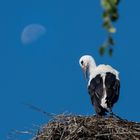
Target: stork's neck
x=91 y=68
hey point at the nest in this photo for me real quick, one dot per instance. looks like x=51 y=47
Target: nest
x=72 y=127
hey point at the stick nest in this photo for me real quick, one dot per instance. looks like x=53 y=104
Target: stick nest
x=72 y=127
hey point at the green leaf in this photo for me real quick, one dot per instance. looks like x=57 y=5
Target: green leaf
x=102 y=50
x=110 y=52
x=112 y=30
x=105 y=4
x=117 y=2
x=106 y=25
x=111 y=41
x=106 y=14
x=114 y=17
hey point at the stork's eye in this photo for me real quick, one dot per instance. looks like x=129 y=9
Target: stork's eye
x=82 y=62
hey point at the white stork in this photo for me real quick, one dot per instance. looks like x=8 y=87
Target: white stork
x=103 y=84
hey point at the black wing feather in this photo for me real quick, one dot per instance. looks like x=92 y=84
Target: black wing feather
x=112 y=89
x=95 y=90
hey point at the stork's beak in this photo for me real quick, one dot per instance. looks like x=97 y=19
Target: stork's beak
x=85 y=72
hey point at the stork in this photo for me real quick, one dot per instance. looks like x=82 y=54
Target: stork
x=103 y=84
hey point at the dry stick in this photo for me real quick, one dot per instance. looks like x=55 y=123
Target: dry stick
x=71 y=134
x=107 y=134
x=61 y=138
x=39 y=110
x=22 y=132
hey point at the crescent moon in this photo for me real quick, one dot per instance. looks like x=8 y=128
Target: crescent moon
x=32 y=33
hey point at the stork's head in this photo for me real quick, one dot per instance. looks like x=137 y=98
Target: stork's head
x=86 y=62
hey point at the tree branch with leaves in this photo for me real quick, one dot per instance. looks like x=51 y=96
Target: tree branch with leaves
x=110 y=16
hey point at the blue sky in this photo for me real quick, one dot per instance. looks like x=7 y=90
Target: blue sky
x=46 y=72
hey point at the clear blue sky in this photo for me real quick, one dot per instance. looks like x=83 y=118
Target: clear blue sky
x=46 y=73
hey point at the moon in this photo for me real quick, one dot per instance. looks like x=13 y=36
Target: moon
x=32 y=33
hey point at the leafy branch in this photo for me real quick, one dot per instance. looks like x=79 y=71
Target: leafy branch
x=110 y=15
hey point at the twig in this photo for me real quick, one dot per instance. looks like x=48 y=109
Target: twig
x=39 y=110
